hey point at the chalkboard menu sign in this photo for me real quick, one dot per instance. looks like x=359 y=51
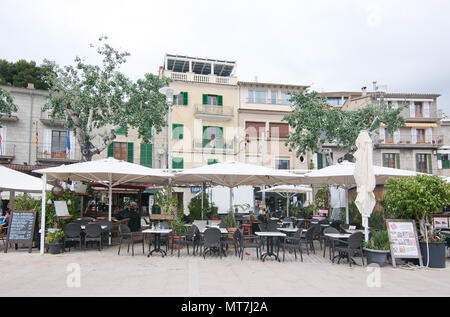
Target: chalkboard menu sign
x=21 y=228
x=404 y=241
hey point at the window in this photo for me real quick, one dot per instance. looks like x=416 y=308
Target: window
x=391 y=160
x=122 y=151
x=181 y=99
x=273 y=97
x=257 y=96
x=177 y=131
x=278 y=130
x=212 y=161
x=177 y=163
x=212 y=136
x=420 y=135
x=146 y=154
x=213 y=100
x=336 y=101
x=285 y=98
x=445 y=160
x=419 y=109
x=423 y=163
x=282 y=164
x=59 y=144
x=388 y=137
x=254 y=129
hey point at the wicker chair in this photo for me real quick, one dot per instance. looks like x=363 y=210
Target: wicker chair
x=72 y=233
x=191 y=238
x=126 y=236
x=246 y=242
x=212 y=241
x=93 y=233
x=293 y=243
x=351 y=247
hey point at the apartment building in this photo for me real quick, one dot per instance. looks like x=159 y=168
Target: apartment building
x=443 y=152
x=263 y=132
x=30 y=138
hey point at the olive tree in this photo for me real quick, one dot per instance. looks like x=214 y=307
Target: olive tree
x=7 y=106
x=97 y=100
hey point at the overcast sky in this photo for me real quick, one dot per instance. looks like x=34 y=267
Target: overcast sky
x=330 y=45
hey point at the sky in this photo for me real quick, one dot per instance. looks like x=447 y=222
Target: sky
x=327 y=44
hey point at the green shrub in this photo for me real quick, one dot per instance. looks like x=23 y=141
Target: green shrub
x=179 y=227
x=195 y=208
x=55 y=237
x=378 y=241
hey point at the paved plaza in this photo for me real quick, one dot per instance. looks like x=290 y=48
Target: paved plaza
x=107 y=274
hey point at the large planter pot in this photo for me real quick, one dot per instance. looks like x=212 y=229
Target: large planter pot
x=376 y=256
x=437 y=254
x=174 y=245
x=55 y=248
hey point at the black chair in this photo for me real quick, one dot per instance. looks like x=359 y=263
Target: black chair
x=127 y=236
x=81 y=222
x=272 y=226
x=308 y=240
x=300 y=224
x=328 y=241
x=293 y=243
x=191 y=238
x=317 y=235
x=351 y=247
x=336 y=224
x=106 y=231
x=212 y=241
x=72 y=233
x=246 y=242
x=343 y=227
x=93 y=233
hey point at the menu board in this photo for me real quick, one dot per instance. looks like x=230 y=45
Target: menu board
x=404 y=241
x=21 y=228
x=440 y=223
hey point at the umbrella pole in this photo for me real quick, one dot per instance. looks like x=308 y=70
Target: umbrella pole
x=43 y=203
x=231 y=200
x=347 y=213
x=110 y=203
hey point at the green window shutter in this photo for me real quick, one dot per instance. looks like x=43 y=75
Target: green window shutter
x=397 y=160
x=212 y=161
x=430 y=164
x=204 y=136
x=177 y=131
x=319 y=161
x=220 y=100
x=177 y=163
x=185 y=98
x=384 y=159
x=146 y=154
x=332 y=159
x=130 y=152
x=445 y=163
x=205 y=99
x=111 y=150
x=417 y=162
x=120 y=131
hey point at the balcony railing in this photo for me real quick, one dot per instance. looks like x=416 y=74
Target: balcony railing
x=217 y=145
x=213 y=113
x=7 y=150
x=47 y=119
x=45 y=152
x=268 y=101
x=198 y=78
x=408 y=139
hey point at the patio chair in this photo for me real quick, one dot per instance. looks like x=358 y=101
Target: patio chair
x=191 y=238
x=93 y=233
x=317 y=235
x=293 y=243
x=308 y=240
x=72 y=233
x=300 y=224
x=343 y=227
x=351 y=247
x=212 y=241
x=126 y=236
x=272 y=226
x=336 y=224
x=328 y=241
x=246 y=242
x=105 y=232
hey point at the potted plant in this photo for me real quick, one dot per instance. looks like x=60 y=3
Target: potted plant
x=55 y=241
x=377 y=248
x=321 y=200
x=419 y=198
x=230 y=222
x=167 y=203
x=179 y=229
x=432 y=248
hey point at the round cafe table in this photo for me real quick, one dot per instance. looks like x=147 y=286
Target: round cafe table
x=270 y=236
x=157 y=233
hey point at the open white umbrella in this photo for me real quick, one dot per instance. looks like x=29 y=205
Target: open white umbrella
x=14 y=181
x=288 y=191
x=365 y=179
x=110 y=172
x=232 y=174
x=343 y=174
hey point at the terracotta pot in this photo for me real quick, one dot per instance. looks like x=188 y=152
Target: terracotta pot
x=175 y=246
x=231 y=229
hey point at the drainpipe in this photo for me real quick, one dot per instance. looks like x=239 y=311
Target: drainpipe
x=31 y=88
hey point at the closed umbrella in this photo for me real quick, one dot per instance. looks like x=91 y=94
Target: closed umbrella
x=365 y=179
x=110 y=172
x=288 y=191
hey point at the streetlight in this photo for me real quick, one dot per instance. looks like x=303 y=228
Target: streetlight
x=170 y=92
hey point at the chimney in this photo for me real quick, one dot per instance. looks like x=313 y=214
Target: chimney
x=30 y=86
x=364 y=91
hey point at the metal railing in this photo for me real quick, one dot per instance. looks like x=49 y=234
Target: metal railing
x=45 y=151
x=7 y=149
x=217 y=144
x=199 y=78
x=405 y=139
x=268 y=101
x=214 y=110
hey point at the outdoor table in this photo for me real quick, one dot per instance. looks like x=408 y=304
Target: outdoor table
x=350 y=231
x=288 y=230
x=334 y=237
x=157 y=233
x=83 y=227
x=270 y=236
x=222 y=230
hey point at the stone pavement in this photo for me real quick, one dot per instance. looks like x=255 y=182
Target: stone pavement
x=107 y=274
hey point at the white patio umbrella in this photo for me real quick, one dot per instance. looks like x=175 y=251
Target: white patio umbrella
x=232 y=174
x=110 y=172
x=365 y=179
x=288 y=191
x=342 y=174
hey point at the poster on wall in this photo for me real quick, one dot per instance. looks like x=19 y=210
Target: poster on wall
x=440 y=223
x=403 y=239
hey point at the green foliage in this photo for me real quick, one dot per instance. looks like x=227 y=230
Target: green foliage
x=316 y=123
x=26 y=203
x=229 y=220
x=99 y=100
x=307 y=212
x=434 y=237
x=195 y=208
x=376 y=219
x=21 y=73
x=321 y=199
x=179 y=227
x=378 y=241
x=55 y=237
x=167 y=203
x=293 y=211
x=7 y=106
x=416 y=198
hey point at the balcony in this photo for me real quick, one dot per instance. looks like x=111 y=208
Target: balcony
x=198 y=78
x=45 y=153
x=407 y=141
x=14 y=117
x=47 y=119
x=7 y=152
x=213 y=113
x=215 y=146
